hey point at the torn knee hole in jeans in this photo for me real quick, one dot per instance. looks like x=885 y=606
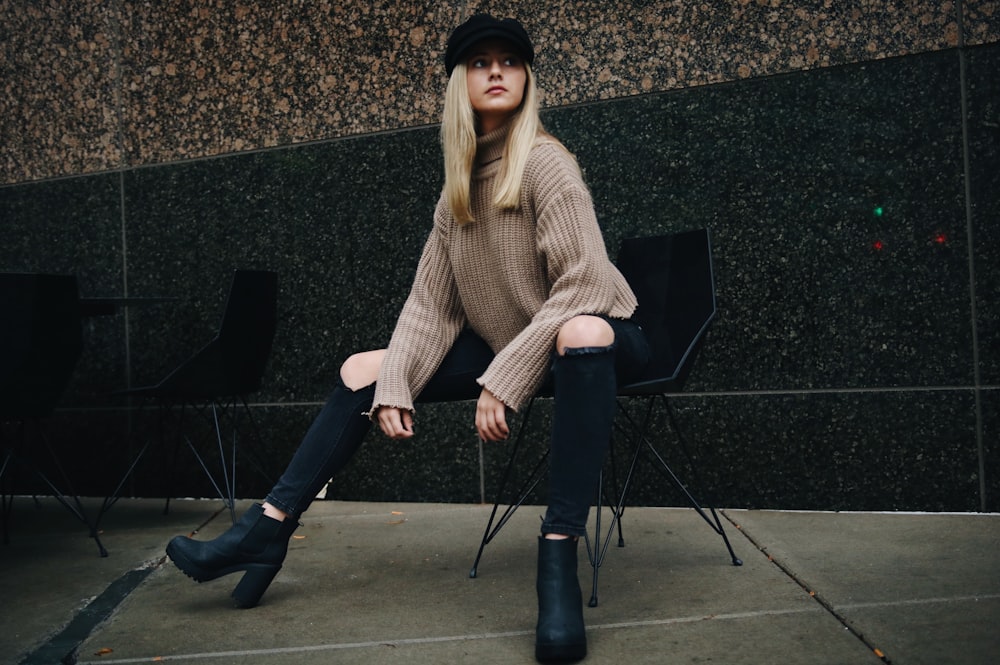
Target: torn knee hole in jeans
x=587 y=350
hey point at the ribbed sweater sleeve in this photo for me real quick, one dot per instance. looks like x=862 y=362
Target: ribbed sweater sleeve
x=582 y=279
x=428 y=324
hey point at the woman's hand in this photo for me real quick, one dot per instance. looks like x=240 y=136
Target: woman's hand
x=396 y=423
x=491 y=417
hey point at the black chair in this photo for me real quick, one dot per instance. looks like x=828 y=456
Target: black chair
x=40 y=343
x=216 y=381
x=673 y=280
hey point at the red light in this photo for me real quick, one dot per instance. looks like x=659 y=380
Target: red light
x=940 y=238
x=878 y=245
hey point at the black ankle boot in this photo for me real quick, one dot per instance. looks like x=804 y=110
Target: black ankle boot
x=256 y=544
x=560 y=636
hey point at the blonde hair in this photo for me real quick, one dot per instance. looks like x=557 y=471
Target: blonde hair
x=458 y=139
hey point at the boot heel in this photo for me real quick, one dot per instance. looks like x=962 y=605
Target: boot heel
x=253 y=585
x=560 y=635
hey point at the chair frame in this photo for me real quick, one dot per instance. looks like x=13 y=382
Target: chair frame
x=172 y=398
x=69 y=498
x=61 y=291
x=651 y=391
x=213 y=413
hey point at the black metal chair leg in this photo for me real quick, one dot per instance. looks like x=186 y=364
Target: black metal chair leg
x=6 y=501
x=597 y=557
x=70 y=501
x=717 y=526
x=253 y=454
x=172 y=474
x=494 y=525
x=228 y=475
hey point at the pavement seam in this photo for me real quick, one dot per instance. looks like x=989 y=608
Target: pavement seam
x=416 y=641
x=815 y=595
x=446 y=638
x=64 y=645
x=916 y=602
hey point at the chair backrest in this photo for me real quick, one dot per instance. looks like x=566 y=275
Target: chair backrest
x=233 y=362
x=672 y=278
x=40 y=342
x=248 y=326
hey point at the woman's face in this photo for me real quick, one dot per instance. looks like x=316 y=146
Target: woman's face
x=496 y=78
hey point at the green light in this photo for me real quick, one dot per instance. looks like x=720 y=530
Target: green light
x=878 y=211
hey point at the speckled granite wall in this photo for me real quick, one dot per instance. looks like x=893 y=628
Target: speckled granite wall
x=100 y=85
x=853 y=363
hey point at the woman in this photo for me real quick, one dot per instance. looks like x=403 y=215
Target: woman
x=514 y=287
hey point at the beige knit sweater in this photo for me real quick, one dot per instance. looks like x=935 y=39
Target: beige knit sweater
x=513 y=276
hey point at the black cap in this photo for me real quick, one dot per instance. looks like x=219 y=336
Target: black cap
x=484 y=26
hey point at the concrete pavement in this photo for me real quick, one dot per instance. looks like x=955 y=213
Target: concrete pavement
x=388 y=583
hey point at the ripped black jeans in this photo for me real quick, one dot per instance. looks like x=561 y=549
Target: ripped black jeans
x=584 y=382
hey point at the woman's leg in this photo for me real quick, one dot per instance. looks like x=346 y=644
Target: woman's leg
x=584 y=378
x=590 y=353
x=338 y=430
x=332 y=439
x=258 y=542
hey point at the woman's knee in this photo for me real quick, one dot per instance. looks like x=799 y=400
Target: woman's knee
x=582 y=331
x=361 y=369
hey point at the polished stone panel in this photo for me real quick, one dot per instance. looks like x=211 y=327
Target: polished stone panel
x=991 y=448
x=70 y=226
x=839 y=451
x=342 y=223
x=984 y=189
x=73 y=227
x=984 y=186
x=835 y=205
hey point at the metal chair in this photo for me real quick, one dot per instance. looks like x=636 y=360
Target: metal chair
x=673 y=280
x=40 y=343
x=216 y=381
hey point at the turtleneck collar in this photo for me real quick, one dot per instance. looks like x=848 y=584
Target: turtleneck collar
x=489 y=147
